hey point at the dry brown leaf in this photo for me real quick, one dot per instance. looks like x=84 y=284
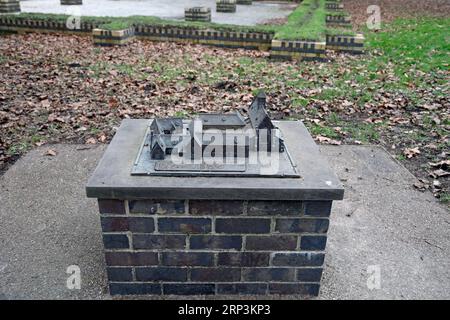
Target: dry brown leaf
x=91 y=141
x=50 y=152
x=411 y=152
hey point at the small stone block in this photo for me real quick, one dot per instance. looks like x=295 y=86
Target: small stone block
x=271 y=242
x=146 y=241
x=298 y=259
x=107 y=206
x=243 y=259
x=123 y=258
x=274 y=207
x=215 y=274
x=161 y=274
x=242 y=288
x=307 y=289
x=187 y=259
x=157 y=206
x=216 y=207
x=116 y=241
x=317 y=208
x=309 y=274
x=184 y=225
x=268 y=274
x=119 y=274
x=313 y=243
x=302 y=225
x=242 y=225
x=216 y=242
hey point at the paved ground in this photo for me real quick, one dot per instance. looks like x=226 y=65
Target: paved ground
x=258 y=12
x=48 y=224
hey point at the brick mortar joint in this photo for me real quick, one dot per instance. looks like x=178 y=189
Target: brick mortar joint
x=179 y=215
x=212 y=251
x=266 y=235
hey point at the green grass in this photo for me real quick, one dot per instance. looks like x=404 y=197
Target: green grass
x=340 y=31
x=337 y=13
x=364 y=132
x=323 y=131
x=18 y=148
x=307 y=22
x=360 y=131
x=411 y=44
x=115 y=25
x=99 y=68
x=125 y=69
x=445 y=197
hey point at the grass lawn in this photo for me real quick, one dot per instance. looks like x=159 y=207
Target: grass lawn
x=61 y=88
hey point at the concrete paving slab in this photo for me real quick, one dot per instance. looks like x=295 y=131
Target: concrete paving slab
x=258 y=12
x=48 y=224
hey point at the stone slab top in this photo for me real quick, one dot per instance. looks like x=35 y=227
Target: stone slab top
x=112 y=178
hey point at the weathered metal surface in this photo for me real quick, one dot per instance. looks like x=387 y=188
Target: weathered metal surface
x=144 y=165
x=222 y=121
x=214 y=140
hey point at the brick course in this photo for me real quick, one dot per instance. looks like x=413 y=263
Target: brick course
x=202 y=247
x=280 y=49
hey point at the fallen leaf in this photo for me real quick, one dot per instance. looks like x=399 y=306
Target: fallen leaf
x=50 y=152
x=411 y=152
x=439 y=173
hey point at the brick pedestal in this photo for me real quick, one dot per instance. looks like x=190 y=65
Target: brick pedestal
x=214 y=235
x=9 y=6
x=158 y=246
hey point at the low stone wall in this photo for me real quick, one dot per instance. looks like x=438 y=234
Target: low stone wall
x=227 y=39
x=297 y=50
x=26 y=25
x=109 y=38
x=210 y=247
x=9 y=6
x=337 y=20
x=349 y=44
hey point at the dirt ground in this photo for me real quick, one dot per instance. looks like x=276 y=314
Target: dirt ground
x=391 y=9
